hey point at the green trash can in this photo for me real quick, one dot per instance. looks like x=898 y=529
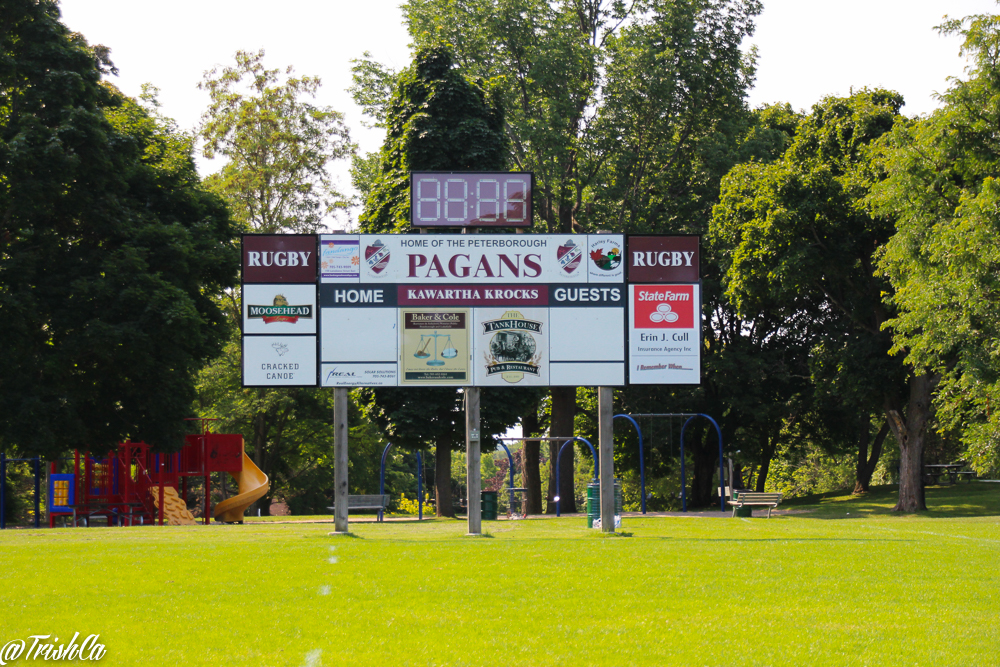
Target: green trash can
x=593 y=503
x=488 y=500
x=744 y=512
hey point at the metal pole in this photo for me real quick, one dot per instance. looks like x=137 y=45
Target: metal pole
x=718 y=434
x=642 y=459
x=420 y=487
x=381 y=479
x=593 y=453
x=38 y=510
x=473 y=473
x=159 y=481
x=606 y=446
x=340 y=460
x=684 y=502
x=3 y=490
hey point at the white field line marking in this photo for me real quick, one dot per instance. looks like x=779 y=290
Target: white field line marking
x=312 y=658
x=928 y=532
x=324 y=590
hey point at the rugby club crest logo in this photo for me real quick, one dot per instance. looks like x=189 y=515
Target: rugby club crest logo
x=569 y=255
x=280 y=311
x=513 y=350
x=377 y=256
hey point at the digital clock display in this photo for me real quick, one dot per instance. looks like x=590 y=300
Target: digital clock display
x=470 y=199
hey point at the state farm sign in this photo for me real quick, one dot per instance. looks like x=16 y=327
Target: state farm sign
x=664 y=307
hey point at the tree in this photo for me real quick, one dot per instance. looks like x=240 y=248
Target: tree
x=436 y=120
x=802 y=242
x=944 y=260
x=627 y=114
x=278 y=148
x=277 y=144
x=110 y=250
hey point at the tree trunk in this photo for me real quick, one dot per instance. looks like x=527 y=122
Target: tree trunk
x=531 y=455
x=911 y=432
x=561 y=425
x=442 y=481
x=263 y=506
x=867 y=462
x=705 y=458
x=765 y=464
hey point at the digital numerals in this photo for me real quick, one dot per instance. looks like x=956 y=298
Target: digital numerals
x=470 y=200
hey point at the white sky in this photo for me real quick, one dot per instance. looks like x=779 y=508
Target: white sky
x=807 y=49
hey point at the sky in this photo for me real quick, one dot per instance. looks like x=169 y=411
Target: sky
x=806 y=49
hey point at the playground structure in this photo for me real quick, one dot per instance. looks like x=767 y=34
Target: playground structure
x=131 y=485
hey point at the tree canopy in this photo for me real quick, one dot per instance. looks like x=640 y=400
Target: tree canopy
x=944 y=260
x=110 y=250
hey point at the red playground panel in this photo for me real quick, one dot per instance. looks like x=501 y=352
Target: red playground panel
x=116 y=486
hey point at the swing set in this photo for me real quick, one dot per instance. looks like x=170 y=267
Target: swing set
x=689 y=416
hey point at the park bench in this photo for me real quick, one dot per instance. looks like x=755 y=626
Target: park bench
x=374 y=502
x=755 y=499
x=968 y=474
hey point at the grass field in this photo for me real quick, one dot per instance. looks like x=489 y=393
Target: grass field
x=844 y=582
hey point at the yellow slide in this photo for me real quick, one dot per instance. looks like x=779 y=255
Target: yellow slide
x=253 y=485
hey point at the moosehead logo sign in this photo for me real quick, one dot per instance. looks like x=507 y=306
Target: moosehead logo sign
x=279 y=311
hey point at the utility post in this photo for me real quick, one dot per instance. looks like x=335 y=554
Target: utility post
x=606 y=453
x=473 y=473
x=340 y=460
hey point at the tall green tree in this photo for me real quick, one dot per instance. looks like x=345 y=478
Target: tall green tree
x=110 y=251
x=627 y=114
x=436 y=119
x=278 y=146
x=800 y=241
x=944 y=261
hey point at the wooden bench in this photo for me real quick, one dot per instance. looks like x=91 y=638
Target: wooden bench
x=970 y=474
x=755 y=499
x=375 y=502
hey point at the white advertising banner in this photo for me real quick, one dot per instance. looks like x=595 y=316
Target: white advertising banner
x=472 y=309
x=665 y=334
x=472 y=258
x=279 y=361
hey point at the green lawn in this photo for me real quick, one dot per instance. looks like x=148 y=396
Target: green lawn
x=845 y=583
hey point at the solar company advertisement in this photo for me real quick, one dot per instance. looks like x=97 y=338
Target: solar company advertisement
x=472 y=309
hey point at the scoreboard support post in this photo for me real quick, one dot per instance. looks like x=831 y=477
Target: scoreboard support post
x=340 y=460
x=473 y=470
x=606 y=453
